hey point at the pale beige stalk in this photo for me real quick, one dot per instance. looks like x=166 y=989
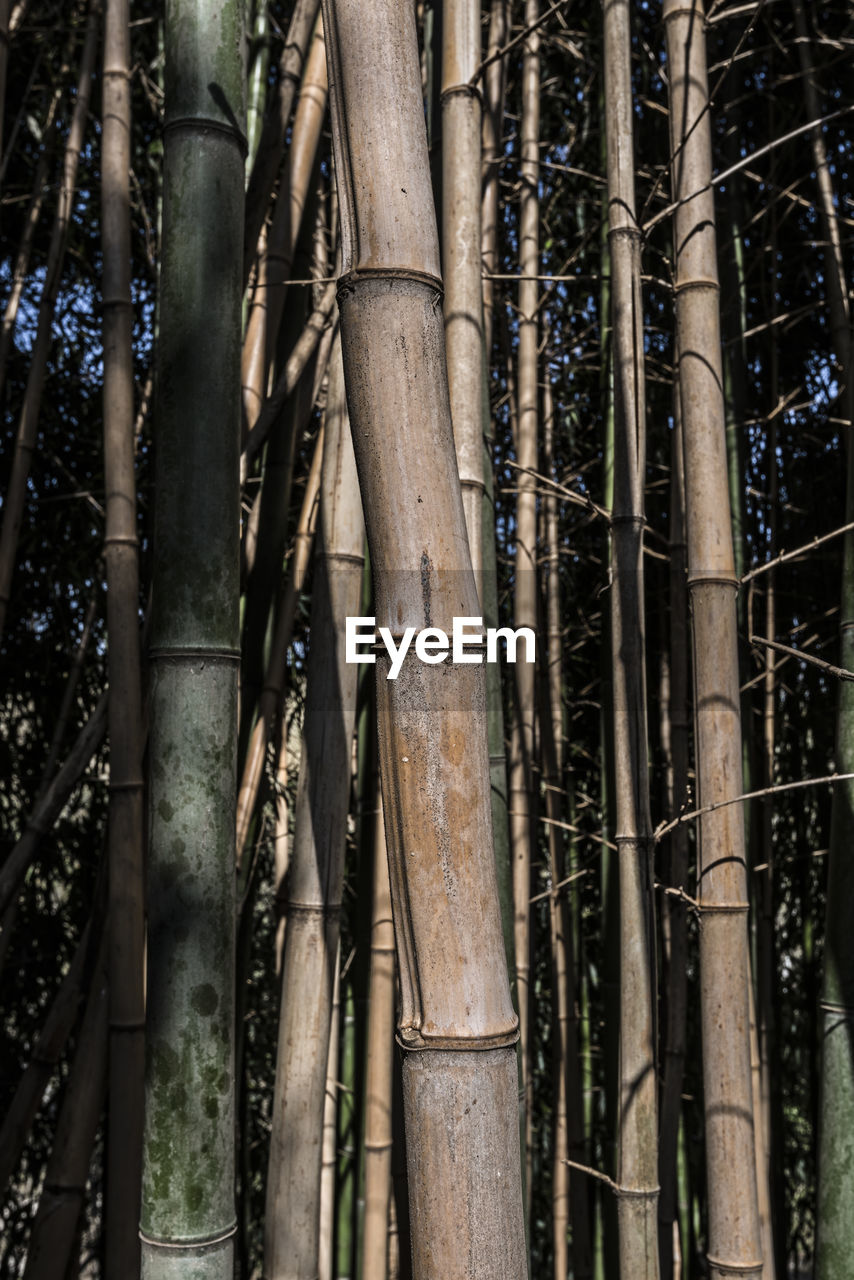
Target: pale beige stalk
x=734 y=1239
x=316 y=870
x=27 y=434
x=637 y=1134
x=461 y=250
x=329 y=1156
x=378 y=1086
x=456 y=1019
x=525 y=569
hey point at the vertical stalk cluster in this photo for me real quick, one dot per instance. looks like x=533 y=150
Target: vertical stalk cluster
x=456 y=1021
x=734 y=1242
x=188 y=1216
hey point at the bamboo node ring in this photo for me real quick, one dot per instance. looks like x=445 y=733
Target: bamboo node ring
x=723 y=908
x=194 y=1242
x=180 y=123
x=734 y=1268
x=840 y=1010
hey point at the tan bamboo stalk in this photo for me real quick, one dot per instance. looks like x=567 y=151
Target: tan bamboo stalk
x=461 y=250
x=276 y=258
x=316 y=871
x=378 y=1086
x=329 y=1154
x=271 y=146
x=495 y=84
x=46 y=1053
x=674 y=908
x=55 y=1225
x=456 y=1020
x=525 y=587
x=637 y=1168
x=303 y=543
x=51 y=802
x=27 y=434
x=123 y=1168
x=268 y=704
x=734 y=1240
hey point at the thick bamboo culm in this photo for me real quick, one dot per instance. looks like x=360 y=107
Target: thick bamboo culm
x=121 y=555
x=456 y=1021
x=734 y=1238
x=637 y=1155
x=188 y=1211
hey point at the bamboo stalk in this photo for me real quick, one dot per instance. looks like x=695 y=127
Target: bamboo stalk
x=734 y=1239
x=525 y=584
x=461 y=249
x=121 y=555
x=316 y=869
x=456 y=1020
x=276 y=120
x=27 y=434
x=492 y=151
x=188 y=1218
x=637 y=1170
x=378 y=1085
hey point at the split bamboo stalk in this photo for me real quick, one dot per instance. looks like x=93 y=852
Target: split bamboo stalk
x=27 y=435
x=316 y=870
x=734 y=1238
x=378 y=1085
x=525 y=570
x=123 y=1167
x=188 y=1217
x=674 y=909
x=456 y=1021
x=637 y=1169
x=461 y=254
x=55 y=1225
x=276 y=120
x=835 y=1210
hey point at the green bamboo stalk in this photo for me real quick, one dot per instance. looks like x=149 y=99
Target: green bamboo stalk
x=257 y=81
x=188 y=1218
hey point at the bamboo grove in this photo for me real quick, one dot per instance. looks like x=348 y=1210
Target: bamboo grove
x=489 y=970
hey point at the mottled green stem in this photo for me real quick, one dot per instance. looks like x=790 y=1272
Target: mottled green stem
x=188 y=1195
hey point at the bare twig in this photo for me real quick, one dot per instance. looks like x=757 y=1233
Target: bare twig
x=841 y=673
x=665 y=827
x=799 y=551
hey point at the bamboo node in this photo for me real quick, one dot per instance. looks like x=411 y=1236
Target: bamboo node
x=348 y=282
x=734 y=1268
x=723 y=908
x=206 y=654
x=685 y=286
x=713 y=577
x=191 y=1242
x=838 y=1010
x=466 y=90
x=206 y=123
